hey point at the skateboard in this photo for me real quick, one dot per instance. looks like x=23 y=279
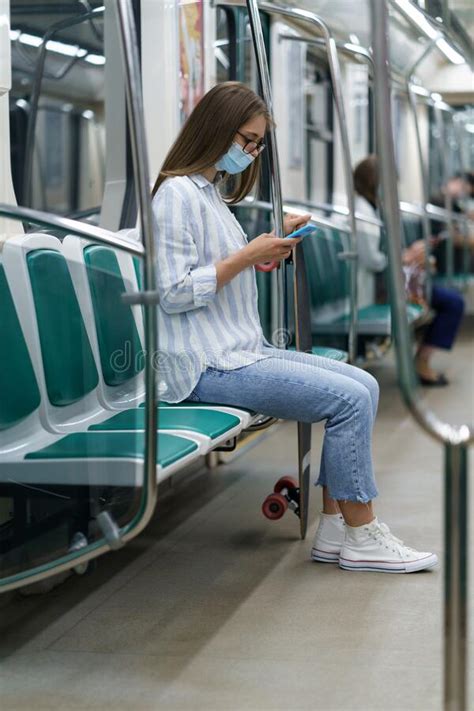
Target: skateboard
x=287 y=492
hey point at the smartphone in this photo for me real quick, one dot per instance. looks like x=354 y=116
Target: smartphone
x=302 y=232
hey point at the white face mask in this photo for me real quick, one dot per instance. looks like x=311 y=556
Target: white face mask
x=236 y=160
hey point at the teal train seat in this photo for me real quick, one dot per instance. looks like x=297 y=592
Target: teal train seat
x=70 y=357
x=58 y=371
x=328 y=277
x=102 y=287
x=23 y=438
x=462 y=277
x=52 y=487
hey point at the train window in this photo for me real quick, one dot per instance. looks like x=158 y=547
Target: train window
x=318 y=131
x=57 y=109
x=225 y=49
x=191 y=54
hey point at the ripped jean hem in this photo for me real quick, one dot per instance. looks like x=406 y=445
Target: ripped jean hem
x=359 y=497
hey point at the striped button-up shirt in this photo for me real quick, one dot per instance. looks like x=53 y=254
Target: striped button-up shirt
x=199 y=327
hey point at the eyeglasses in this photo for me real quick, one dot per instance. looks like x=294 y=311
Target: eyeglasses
x=252 y=146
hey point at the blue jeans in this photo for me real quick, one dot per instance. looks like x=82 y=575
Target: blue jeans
x=304 y=387
x=448 y=305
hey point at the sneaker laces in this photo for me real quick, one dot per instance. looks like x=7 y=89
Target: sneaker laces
x=383 y=530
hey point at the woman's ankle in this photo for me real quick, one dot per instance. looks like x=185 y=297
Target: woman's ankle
x=330 y=506
x=356 y=514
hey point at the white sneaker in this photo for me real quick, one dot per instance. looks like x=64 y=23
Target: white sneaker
x=328 y=539
x=373 y=548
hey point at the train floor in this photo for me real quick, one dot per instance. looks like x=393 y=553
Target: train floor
x=214 y=608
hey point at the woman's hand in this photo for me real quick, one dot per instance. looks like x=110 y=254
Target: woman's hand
x=268 y=248
x=294 y=222
x=415 y=254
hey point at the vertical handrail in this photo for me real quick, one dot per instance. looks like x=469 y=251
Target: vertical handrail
x=454 y=438
x=425 y=223
x=335 y=71
x=129 y=49
x=448 y=201
x=134 y=95
x=280 y=326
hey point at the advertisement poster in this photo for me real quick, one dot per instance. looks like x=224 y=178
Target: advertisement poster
x=191 y=45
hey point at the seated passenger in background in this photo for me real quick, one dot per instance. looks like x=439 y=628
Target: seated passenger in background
x=447 y=304
x=371 y=259
x=459 y=189
x=213 y=348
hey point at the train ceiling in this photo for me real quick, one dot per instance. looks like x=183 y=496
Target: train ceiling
x=37 y=17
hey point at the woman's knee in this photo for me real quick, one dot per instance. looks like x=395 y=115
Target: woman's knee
x=372 y=386
x=361 y=398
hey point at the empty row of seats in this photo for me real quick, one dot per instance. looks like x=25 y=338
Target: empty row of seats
x=70 y=413
x=328 y=273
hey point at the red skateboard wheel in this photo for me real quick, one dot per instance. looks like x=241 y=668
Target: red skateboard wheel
x=274 y=506
x=285 y=482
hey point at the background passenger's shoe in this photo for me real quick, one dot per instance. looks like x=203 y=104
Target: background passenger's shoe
x=373 y=548
x=328 y=539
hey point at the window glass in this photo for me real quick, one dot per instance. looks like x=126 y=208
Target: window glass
x=57 y=110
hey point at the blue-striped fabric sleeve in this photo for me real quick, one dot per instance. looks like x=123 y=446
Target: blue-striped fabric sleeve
x=182 y=284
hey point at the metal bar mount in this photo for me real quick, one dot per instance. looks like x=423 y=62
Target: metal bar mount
x=129 y=49
x=279 y=324
x=454 y=438
x=334 y=67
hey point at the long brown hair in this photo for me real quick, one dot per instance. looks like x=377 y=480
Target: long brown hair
x=209 y=132
x=366 y=178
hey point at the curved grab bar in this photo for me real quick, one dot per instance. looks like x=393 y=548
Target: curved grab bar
x=441 y=431
x=288 y=206
x=455 y=438
x=71 y=226
x=140 y=159
x=337 y=209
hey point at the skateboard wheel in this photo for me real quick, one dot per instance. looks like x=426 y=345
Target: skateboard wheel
x=274 y=506
x=286 y=482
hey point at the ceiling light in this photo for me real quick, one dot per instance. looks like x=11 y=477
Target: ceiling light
x=354 y=39
x=95 y=59
x=418 y=18
x=436 y=97
x=70 y=50
x=14 y=34
x=449 y=52
x=31 y=40
x=419 y=90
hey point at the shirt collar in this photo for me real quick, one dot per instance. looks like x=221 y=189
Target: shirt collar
x=203 y=182
x=200 y=180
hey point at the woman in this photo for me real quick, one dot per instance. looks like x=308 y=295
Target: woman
x=213 y=349
x=447 y=304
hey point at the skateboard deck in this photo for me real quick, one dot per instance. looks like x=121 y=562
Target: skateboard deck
x=302 y=323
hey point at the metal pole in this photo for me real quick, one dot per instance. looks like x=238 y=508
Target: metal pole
x=454 y=439
x=448 y=201
x=455 y=578
x=133 y=92
x=279 y=325
x=425 y=223
x=335 y=71
x=140 y=159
